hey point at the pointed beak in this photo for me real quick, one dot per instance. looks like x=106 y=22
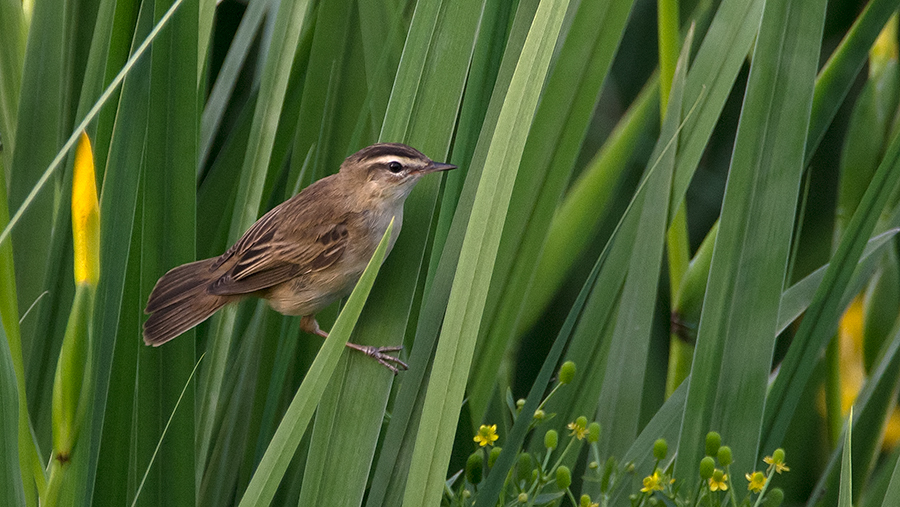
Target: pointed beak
x=434 y=167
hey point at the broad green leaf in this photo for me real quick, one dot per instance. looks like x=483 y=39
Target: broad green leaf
x=168 y=192
x=472 y=279
x=281 y=449
x=736 y=338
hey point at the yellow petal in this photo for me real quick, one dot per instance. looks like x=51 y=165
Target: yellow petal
x=85 y=215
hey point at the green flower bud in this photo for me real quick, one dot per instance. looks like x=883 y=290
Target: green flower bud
x=713 y=442
x=474 y=468
x=718 y=475
x=523 y=497
x=778 y=455
x=520 y=403
x=593 y=465
x=539 y=415
x=492 y=457
x=563 y=477
x=581 y=421
x=524 y=467
x=660 y=449
x=585 y=501
x=707 y=467
x=724 y=456
x=466 y=493
x=551 y=439
x=593 y=432
x=567 y=372
x=774 y=498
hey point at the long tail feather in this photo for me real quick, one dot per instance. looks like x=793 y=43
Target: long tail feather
x=180 y=301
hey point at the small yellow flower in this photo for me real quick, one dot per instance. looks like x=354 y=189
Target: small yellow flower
x=653 y=482
x=579 y=431
x=778 y=464
x=757 y=480
x=487 y=435
x=718 y=481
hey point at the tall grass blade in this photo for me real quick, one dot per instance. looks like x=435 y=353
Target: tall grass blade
x=554 y=142
x=289 y=21
x=821 y=318
x=394 y=460
x=630 y=341
x=351 y=416
x=467 y=298
x=13 y=35
x=11 y=489
x=41 y=119
x=226 y=79
x=168 y=221
x=281 y=449
x=845 y=494
x=118 y=202
x=736 y=338
x=872 y=408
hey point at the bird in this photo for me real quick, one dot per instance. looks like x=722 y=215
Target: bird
x=304 y=254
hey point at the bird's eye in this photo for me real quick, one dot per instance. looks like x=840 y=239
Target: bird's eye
x=395 y=167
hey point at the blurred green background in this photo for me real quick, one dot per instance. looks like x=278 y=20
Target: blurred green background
x=600 y=144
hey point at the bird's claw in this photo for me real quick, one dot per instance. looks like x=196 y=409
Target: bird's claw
x=378 y=353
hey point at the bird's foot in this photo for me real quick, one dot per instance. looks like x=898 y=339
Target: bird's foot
x=378 y=353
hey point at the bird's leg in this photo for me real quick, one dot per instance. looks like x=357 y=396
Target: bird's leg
x=308 y=323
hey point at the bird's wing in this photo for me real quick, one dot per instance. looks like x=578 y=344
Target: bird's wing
x=268 y=255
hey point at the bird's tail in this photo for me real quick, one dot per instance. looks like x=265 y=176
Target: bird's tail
x=180 y=301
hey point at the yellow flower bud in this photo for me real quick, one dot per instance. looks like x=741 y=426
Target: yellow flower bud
x=85 y=215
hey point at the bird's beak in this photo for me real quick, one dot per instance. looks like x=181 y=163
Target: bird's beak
x=434 y=167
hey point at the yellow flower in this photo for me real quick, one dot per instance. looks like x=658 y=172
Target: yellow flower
x=653 y=482
x=487 y=435
x=757 y=481
x=579 y=431
x=778 y=464
x=718 y=481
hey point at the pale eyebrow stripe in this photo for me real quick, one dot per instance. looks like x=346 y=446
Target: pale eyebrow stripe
x=384 y=159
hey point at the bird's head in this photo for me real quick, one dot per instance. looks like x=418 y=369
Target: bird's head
x=389 y=170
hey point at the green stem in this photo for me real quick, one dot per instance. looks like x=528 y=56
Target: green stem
x=668 y=22
x=50 y=495
x=833 y=417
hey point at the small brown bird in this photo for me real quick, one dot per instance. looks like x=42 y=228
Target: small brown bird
x=306 y=253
